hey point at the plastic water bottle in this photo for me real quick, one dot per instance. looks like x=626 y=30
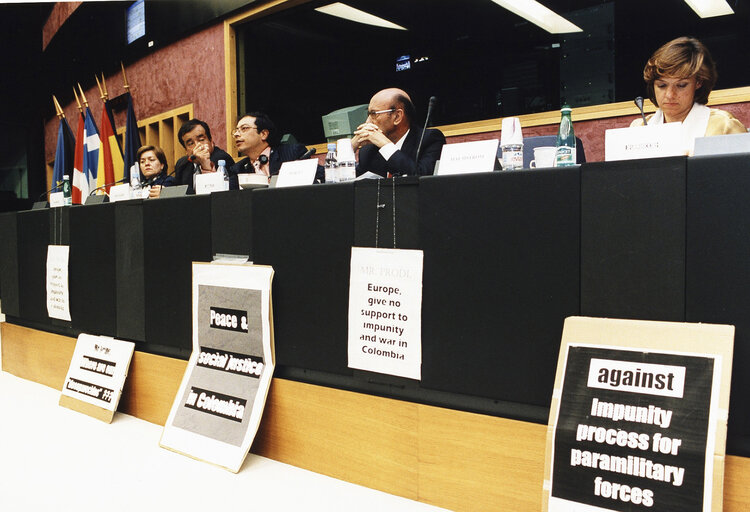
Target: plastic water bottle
x=67 y=193
x=135 y=178
x=347 y=164
x=331 y=164
x=222 y=169
x=565 y=154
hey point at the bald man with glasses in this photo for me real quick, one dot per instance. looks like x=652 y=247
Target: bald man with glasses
x=388 y=140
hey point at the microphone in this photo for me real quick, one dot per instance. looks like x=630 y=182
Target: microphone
x=310 y=152
x=430 y=106
x=192 y=158
x=107 y=185
x=639 y=104
x=44 y=194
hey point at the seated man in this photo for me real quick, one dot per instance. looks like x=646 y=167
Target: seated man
x=201 y=154
x=388 y=141
x=256 y=139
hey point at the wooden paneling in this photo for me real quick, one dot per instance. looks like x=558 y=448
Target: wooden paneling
x=448 y=458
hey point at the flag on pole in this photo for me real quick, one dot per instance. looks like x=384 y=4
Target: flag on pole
x=110 y=166
x=87 y=178
x=63 y=155
x=132 y=140
x=78 y=161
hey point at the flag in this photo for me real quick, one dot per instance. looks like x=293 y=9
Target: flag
x=87 y=178
x=132 y=140
x=63 y=155
x=110 y=166
x=78 y=161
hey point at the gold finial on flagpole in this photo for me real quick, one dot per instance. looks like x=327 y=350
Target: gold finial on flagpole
x=101 y=91
x=78 y=102
x=83 y=96
x=104 y=86
x=124 y=78
x=58 y=110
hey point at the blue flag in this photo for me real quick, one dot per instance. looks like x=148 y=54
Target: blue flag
x=63 y=155
x=91 y=145
x=132 y=140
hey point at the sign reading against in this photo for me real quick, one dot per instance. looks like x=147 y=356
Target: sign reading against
x=385 y=311
x=97 y=375
x=58 y=304
x=634 y=423
x=218 y=408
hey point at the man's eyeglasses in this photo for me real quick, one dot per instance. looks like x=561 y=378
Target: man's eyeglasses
x=243 y=129
x=373 y=113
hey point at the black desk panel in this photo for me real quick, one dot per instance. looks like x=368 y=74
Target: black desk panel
x=718 y=268
x=33 y=238
x=633 y=239
x=9 y=278
x=501 y=273
x=231 y=222
x=92 y=285
x=306 y=234
x=374 y=213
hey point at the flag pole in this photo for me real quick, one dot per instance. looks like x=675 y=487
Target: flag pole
x=58 y=110
x=83 y=96
x=104 y=87
x=78 y=101
x=102 y=94
x=124 y=78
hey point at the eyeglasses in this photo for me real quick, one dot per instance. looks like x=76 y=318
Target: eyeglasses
x=373 y=113
x=243 y=129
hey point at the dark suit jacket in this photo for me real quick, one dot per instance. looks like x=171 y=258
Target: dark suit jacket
x=279 y=155
x=184 y=169
x=402 y=162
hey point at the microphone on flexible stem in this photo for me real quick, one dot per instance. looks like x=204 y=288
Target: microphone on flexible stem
x=310 y=152
x=639 y=104
x=107 y=185
x=430 y=106
x=44 y=194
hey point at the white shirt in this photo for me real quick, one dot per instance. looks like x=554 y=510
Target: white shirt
x=390 y=148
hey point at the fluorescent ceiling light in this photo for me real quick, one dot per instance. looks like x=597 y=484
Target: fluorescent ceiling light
x=710 y=8
x=539 y=15
x=350 y=13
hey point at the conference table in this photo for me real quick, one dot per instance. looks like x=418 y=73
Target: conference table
x=507 y=257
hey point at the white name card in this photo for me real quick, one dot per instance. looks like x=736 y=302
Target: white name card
x=644 y=142
x=465 y=157
x=97 y=374
x=119 y=192
x=58 y=304
x=56 y=199
x=205 y=183
x=298 y=172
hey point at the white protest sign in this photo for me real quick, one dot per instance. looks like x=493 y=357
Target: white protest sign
x=58 y=304
x=56 y=199
x=644 y=142
x=465 y=157
x=638 y=417
x=218 y=407
x=208 y=182
x=119 y=192
x=97 y=375
x=298 y=172
x=385 y=311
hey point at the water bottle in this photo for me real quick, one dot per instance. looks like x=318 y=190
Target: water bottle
x=222 y=169
x=135 y=179
x=331 y=164
x=67 y=195
x=347 y=165
x=565 y=152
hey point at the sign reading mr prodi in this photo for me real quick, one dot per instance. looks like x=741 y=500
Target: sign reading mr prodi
x=634 y=423
x=218 y=408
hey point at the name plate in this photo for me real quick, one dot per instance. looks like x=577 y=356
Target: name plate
x=298 y=172
x=205 y=183
x=119 y=193
x=466 y=157
x=56 y=199
x=644 y=142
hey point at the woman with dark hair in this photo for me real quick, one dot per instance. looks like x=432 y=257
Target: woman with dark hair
x=153 y=168
x=679 y=77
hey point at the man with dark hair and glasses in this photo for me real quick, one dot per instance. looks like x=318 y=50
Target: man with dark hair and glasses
x=257 y=139
x=388 y=140
x=201 y=154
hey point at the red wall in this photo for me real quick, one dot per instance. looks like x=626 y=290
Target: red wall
x=188 y=71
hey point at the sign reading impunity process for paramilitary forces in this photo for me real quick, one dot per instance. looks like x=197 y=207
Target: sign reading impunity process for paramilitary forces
x=638 y=416
x=218 y=408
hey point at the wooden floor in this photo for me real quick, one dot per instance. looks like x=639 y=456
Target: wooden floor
x=448 y=458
